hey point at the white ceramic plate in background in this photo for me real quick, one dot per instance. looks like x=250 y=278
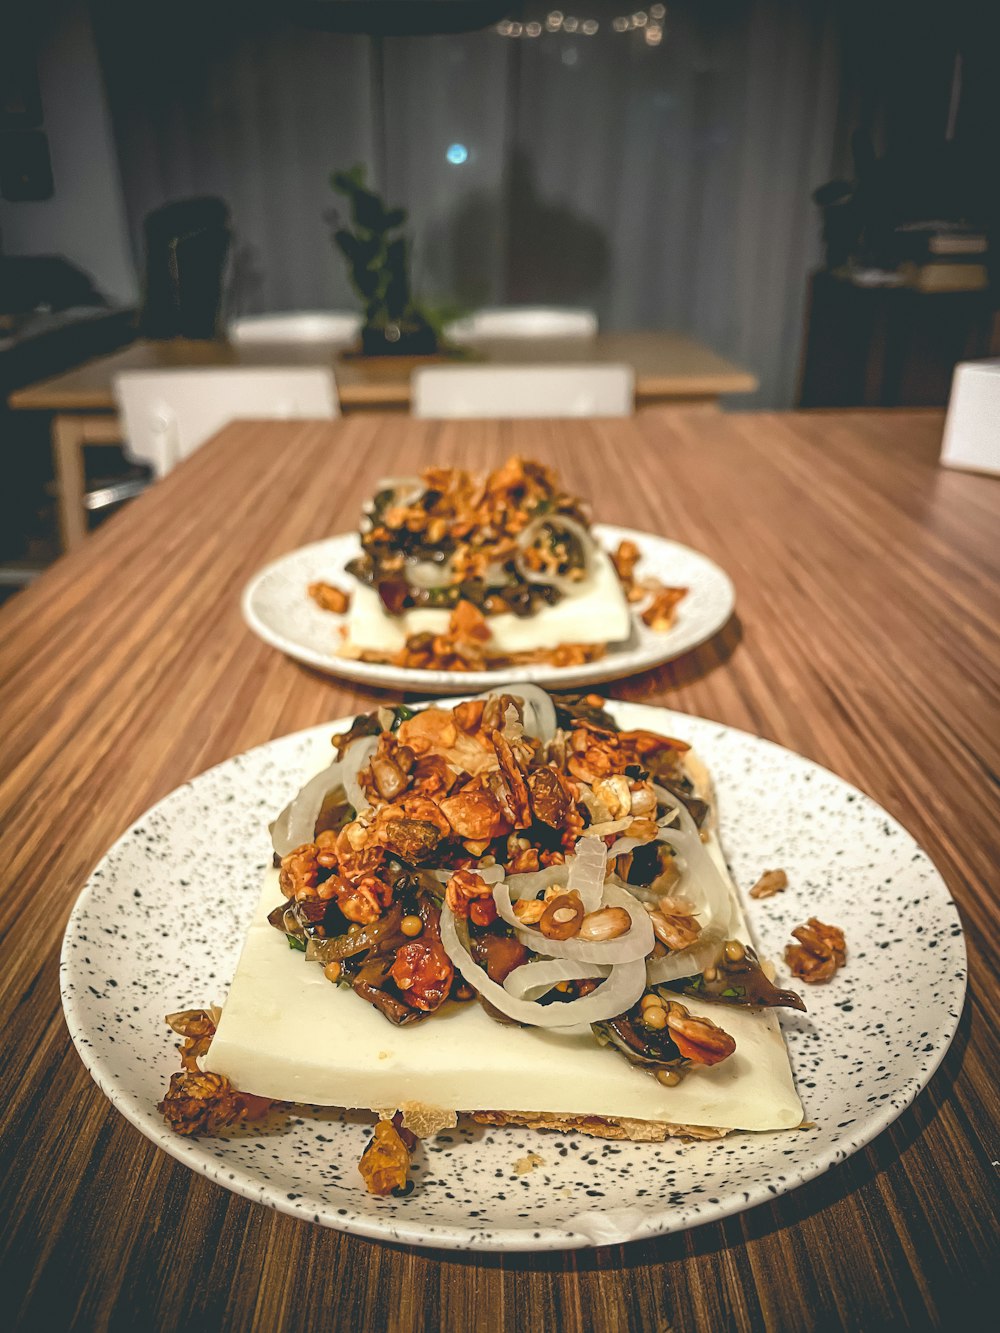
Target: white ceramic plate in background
x=160 y=924
x=278 y=608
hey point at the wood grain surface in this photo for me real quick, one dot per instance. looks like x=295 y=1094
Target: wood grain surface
x=865 y=638
x=668 y=366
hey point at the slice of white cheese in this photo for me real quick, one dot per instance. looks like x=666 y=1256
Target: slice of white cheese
x=598 y=613
x=289 y=1034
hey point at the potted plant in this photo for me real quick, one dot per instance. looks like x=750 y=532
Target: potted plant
x=378 y=263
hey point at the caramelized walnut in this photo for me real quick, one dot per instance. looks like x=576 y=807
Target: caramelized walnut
x=660 y=613
x=385 y=1163
x=821 y=950
x=328 y=597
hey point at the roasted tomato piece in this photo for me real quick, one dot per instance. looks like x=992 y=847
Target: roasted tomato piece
x=423 y=973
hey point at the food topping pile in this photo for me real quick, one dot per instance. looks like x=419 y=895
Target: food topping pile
x=510 y=542
x=526 y=854
x=521 y=852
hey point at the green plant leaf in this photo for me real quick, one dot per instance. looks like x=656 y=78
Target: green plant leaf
x=394 y=217
x=369 y=211
x=346 y=182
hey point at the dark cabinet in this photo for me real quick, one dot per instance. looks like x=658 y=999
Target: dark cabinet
x=888 y=346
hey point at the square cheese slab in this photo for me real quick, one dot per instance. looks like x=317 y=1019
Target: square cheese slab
x=598 y=613
x=289 y=1034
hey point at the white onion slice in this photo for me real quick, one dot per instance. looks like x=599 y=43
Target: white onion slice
x=687 y=963
x=530 y=981
x=357 y=755
x=609 y=827
x=405 y=490
x=637 y=942
x=560 y=581
x=539 y=710
x=495 y=576
x=296 y=824
x=701 y=882
x=429 y=573
x=532 y=882
x=490 y=874
x=615 y=996
x=587 y=870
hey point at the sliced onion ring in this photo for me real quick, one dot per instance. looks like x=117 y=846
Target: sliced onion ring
x=532 y=980
x=527 y=537
x=587 y=870
x=405 y=490
x=615 y=996
x=296 y=824
x=532 y=882
x=635 y=943
x=357 y=755
x=539 y=710
x=427 y=574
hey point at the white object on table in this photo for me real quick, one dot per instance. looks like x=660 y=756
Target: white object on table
x=308 y=326
x=168 y=414
x=525 y=321
x=972 y=427
x=524 y=391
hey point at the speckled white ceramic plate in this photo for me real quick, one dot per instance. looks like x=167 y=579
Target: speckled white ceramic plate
x=160 y=924
x=277 y=607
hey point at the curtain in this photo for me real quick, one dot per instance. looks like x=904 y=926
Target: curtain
x=661 y=174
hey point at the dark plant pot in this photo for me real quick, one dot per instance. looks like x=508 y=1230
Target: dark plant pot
x=394 y=341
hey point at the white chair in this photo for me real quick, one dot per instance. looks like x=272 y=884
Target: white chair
x=524 y=391
x=524 y=321
x=307 y=326
x=167 y=414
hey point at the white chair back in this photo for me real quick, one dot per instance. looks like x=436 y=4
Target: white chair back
x=525 y=321
x=321 y=326
x=169 y=413
x=524 y=391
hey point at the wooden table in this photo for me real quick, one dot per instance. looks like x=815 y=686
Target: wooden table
x=866 y=639
x=669 y=369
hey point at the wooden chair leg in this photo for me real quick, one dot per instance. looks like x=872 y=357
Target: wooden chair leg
x=69 y=435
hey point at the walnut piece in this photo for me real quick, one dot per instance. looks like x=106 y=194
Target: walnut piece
x=770 y=883
x=819 y=953
x=200 y=1103
x=328 y=597
x=659 y=615
x=385 y=1163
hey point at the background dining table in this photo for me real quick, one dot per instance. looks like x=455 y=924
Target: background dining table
x=670 y=368
x=864 y=637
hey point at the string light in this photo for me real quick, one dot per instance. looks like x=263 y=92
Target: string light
x=650 y=22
